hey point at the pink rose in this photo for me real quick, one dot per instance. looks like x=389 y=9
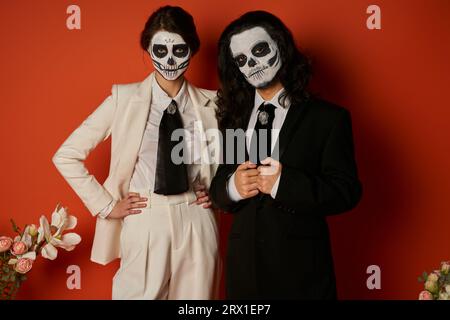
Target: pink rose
x=5 y=243
x=19 y=248
x=23 y=265
x=425 y=295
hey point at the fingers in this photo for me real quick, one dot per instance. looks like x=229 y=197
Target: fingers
x=200 y=194
x=267 y=170
x=202 y=200
x=265 y=184
x=246 y=165
x=249 y=190
x=135 y=199
x=136 y=205
x=250 y=187
x=250 y=173
x=262 y=180
x=248 y=176
x=269 y=167
x=269 y=161
x=132 y=194
x=250 y=180
x=207 y=205
x=134 y=202
x=199 y=187
x=129 y=212
x=246 y=179
x=252 y=193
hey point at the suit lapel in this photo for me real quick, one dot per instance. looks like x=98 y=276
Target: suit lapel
x=206 y=120
x=286 y=132
x=288 y=129
x=133 y=129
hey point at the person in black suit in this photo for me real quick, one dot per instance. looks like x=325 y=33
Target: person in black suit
x=299 y=169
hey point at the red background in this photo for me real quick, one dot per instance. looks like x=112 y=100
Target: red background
x=395 y=82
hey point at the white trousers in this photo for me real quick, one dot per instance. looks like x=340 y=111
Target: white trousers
x=169 y=251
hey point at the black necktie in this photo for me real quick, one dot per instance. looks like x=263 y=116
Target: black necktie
x=170 y=178
x=261 y=142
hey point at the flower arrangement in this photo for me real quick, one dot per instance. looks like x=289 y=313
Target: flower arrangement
x=436 y=284
x=18 y=255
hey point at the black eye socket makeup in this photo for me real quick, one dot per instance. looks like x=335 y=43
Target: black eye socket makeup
x=261 y=49
x=159 y=50
x=180 y=50
x=241 y=60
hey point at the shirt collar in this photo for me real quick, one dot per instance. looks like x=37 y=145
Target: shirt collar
x=161 y=99
x=275 y=100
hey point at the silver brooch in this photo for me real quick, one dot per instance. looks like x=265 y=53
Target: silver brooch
x=263 y=117
x=172 y=108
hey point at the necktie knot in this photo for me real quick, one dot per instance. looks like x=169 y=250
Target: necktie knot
x=267 y=107
x=266 y=113
x=172 y=108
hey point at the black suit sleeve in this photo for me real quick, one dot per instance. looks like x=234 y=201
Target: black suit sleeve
x=336 y=188
x=218 y=190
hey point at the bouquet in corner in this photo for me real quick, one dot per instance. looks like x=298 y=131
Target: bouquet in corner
x=18 y=254
x=436 y=284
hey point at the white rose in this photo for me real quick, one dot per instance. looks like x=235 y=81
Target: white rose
x=443 y=296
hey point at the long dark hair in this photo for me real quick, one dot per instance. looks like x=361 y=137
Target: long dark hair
x=236 y=95
x=171 y=19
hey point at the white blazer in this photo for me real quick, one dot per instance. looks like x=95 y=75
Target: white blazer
x=123 y=116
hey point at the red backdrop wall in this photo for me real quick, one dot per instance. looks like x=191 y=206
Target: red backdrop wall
x=394 y=80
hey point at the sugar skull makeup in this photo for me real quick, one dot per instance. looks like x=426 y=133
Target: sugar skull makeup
x=257 y=56
x=170 y=54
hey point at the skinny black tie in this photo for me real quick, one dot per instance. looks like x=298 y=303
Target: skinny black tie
x=261 y=142
x=170 y=178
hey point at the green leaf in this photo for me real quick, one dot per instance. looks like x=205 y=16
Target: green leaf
x=15 y=227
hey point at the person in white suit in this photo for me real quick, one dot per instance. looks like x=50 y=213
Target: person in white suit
x=152 y=211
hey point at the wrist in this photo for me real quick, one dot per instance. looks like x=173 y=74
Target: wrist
x=105 y=212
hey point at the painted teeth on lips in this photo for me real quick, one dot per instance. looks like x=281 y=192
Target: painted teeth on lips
x=257 y=71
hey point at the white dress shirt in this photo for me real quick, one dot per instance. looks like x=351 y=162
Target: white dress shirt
x=280 y=116
x=144 y=171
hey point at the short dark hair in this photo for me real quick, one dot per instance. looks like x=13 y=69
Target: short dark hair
x=171 y=19
x=236 y=95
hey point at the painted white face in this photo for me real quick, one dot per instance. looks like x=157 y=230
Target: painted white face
x=257 y=56
x=170 y=54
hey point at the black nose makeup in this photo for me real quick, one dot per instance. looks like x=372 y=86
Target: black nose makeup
x=171 y=62
x=251 y=63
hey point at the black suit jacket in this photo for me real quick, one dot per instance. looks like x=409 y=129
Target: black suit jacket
x=280 y=248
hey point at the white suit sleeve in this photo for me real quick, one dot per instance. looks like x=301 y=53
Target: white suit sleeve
x=104 y=213
x=70 y=157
